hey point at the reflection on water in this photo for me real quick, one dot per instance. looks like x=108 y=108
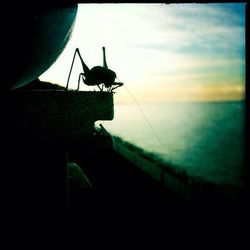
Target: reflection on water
x=207 y=139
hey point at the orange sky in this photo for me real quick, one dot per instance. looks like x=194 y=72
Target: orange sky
x=183 y=93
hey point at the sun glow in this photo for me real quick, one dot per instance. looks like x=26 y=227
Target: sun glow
x=161 y=52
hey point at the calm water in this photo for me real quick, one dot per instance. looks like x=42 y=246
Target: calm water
x=207 y=139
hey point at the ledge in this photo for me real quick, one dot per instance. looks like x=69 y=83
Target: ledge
x=56 y=118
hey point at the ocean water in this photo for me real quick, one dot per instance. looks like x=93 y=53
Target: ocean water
x=205 y=138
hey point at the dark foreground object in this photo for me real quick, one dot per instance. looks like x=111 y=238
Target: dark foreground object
x=121 y=198
x=124 y=195
x=39 y=199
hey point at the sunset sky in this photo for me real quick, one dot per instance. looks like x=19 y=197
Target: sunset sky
x=162 y=52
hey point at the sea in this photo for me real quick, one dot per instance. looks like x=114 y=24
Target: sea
x=206 y=139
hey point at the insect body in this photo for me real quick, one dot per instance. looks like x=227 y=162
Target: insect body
x=100 y=76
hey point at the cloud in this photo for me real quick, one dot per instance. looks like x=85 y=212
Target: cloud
x=159 y=44
x=197 y=28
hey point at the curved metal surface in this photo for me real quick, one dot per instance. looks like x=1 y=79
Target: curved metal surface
x=34 y=38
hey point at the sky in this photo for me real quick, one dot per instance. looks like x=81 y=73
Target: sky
x=161 y=52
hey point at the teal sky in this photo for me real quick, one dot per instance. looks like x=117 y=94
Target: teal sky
x=162 y=52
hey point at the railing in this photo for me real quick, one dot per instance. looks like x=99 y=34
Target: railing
x=188 y=187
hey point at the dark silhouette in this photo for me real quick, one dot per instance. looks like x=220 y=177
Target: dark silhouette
x=41 y=85
x=98 y=75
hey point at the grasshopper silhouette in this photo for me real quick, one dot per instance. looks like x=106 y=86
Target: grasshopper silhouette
x=98 y=75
